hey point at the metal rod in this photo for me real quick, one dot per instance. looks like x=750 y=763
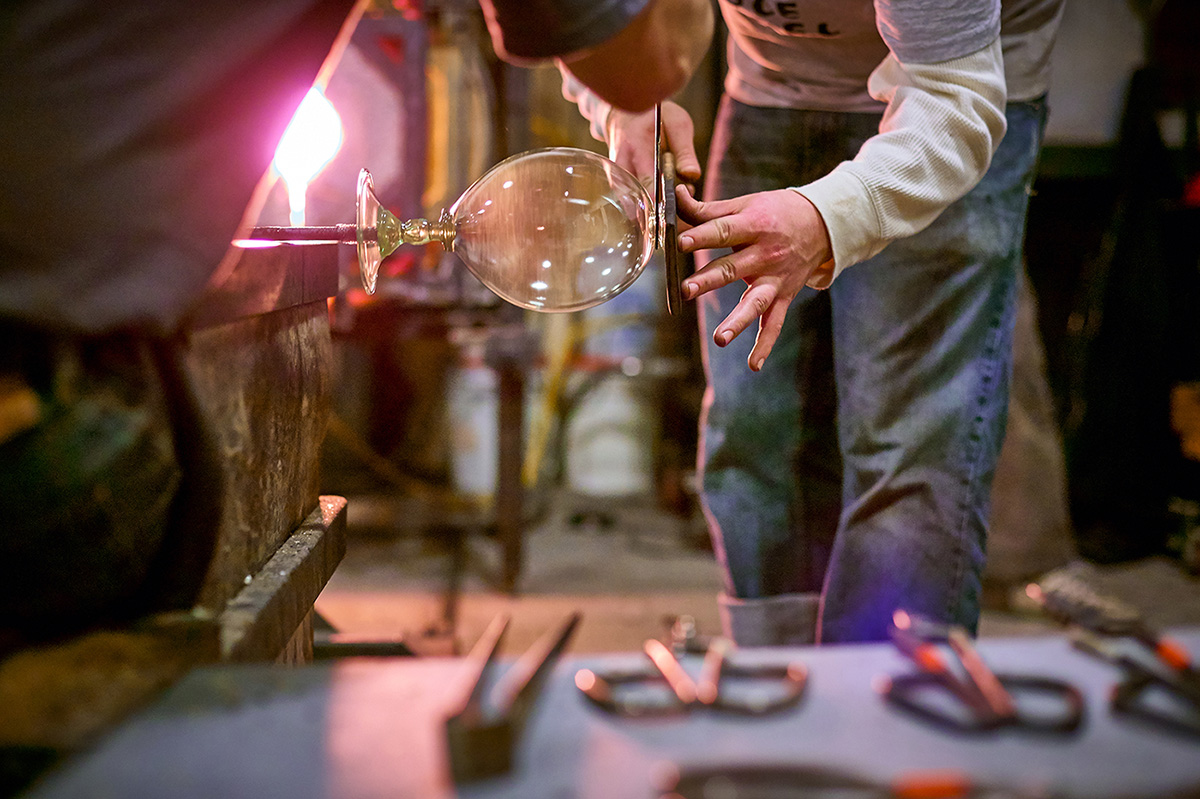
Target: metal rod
x=708 y=687
x=679 y=680
x=342 y=233
x=658 y=174
x=518 y=689
x=480 y=661
x=986 y=683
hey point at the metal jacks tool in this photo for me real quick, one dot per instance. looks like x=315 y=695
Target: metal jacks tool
x=639 y=692
x=482 y=735
x=985 y=700
x=1116 y=632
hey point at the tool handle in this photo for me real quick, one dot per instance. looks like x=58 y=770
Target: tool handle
x=984 y=680
x=480 y=659
x=672 y=258
x=679 y=680
x=521 y=683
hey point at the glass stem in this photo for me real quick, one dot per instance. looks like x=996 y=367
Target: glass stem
x=423 y=231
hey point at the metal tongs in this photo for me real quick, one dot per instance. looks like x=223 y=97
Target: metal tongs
x=481 y=738
x=981 y=699
x=666 y=225
x=630 y=692
x=1117 y=633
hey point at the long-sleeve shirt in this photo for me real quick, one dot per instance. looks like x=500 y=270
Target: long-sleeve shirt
x=941 y=71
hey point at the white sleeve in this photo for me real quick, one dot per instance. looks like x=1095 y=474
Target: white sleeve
x=942 y=124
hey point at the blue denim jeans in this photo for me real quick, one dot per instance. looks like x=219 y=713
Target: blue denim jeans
x=858 y=463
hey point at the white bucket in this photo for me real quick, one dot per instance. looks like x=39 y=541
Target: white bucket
x=474 y=441
x=610 y=440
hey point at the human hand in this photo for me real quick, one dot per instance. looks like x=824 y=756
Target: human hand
x=631 y=141
x=779 y=241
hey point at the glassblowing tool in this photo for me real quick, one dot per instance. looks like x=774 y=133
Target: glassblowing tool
x=981 y=699
x=667 y=220
x=553 y=229
x=1117 y=633
x=483 y=733
x=805 y=781
x=666 y=688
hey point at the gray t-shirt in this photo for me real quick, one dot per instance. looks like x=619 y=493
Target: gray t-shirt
x=134 y=135
x=546 y=28
x=817 y=54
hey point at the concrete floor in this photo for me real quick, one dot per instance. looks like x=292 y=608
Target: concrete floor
x=627 y=567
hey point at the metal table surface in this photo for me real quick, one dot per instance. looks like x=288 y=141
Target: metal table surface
x=373 y=728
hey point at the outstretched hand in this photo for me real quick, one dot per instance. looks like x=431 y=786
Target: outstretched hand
x=779 y=242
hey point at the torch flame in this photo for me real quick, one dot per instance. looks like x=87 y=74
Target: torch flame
x=311 y=140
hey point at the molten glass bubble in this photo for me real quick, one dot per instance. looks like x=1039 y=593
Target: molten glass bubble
x=557 y=229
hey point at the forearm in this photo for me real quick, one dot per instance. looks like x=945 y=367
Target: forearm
x=942 y=124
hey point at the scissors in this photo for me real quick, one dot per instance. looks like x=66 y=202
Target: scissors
x=631 y=692
x=1117 y=633
x=666 y=219
x=980 y=700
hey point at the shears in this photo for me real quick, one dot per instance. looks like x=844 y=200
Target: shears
x=972 y=698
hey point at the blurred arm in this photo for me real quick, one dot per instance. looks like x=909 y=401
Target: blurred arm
x=649 y=60
x=631 y=53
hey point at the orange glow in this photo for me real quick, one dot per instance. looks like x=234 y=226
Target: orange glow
x=585 y=680
x=1173 y=654
x=932 y=785
x=929 y=659
x=255 y=244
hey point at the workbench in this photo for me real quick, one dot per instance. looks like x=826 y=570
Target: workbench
x=369 y=728
x=257 y=352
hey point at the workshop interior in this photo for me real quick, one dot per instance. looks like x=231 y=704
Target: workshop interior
x=462 y=550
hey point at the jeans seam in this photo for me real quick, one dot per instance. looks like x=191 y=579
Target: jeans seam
x=969 y=499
